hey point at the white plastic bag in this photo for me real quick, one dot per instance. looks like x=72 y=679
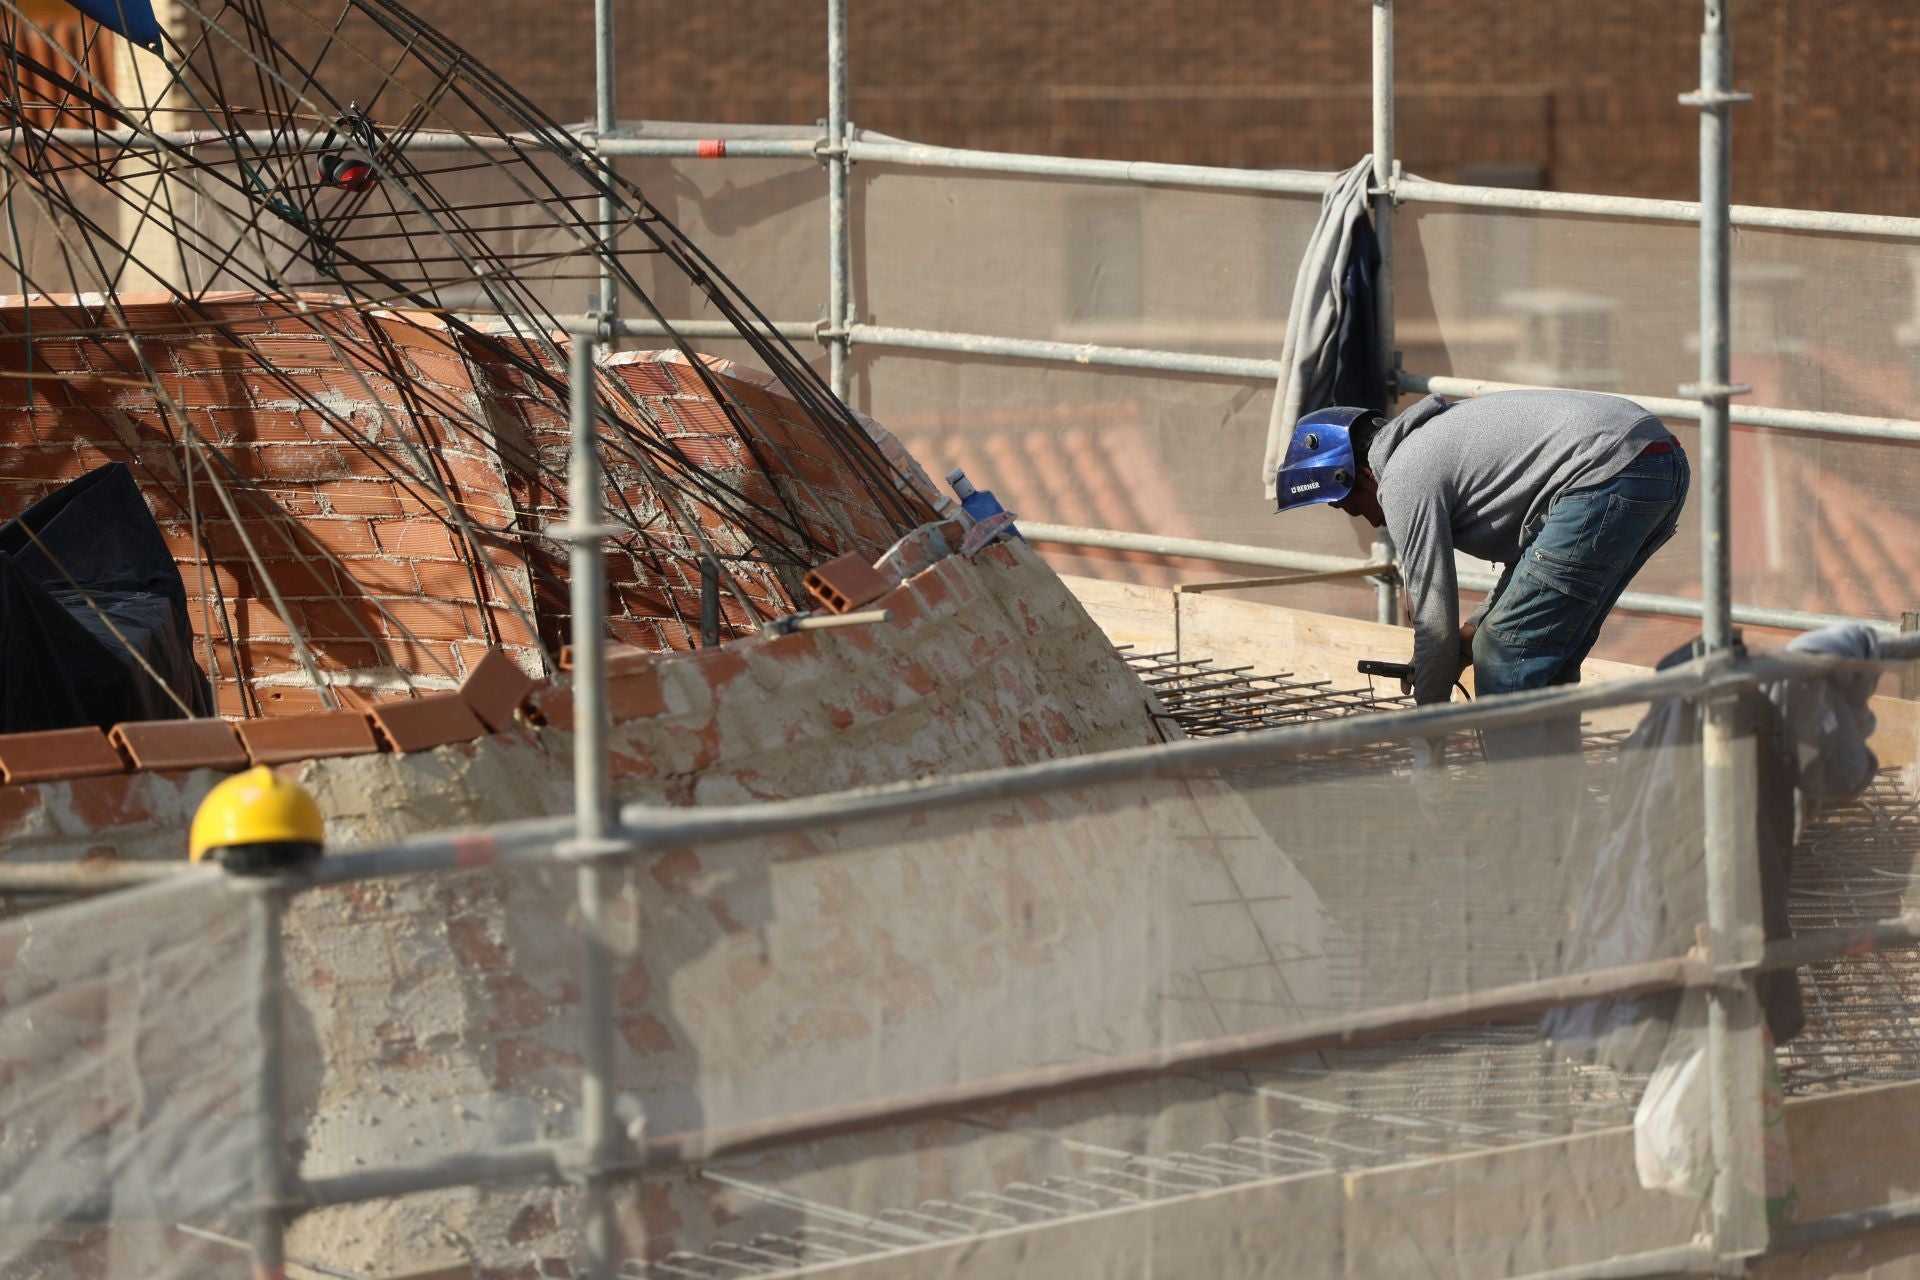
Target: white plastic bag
x=1673 y=1133
x=1672 y=1127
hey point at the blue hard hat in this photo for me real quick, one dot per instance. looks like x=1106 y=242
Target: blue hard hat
x=1319 y=466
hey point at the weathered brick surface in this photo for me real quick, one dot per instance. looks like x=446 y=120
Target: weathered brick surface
x=753 y=481
x=355 y=447
x=351 y=513
x=1582 y=92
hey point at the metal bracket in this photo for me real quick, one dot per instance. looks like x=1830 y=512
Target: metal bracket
x=1714 y=390
x=1391 y=188
x=1707 y=99
x=826 y=147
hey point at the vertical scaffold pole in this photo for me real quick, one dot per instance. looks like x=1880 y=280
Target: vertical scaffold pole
x=593 y=844
x=1734 y=1049
x=267 y=906
x=839 y=250
x=1386 y=592
x=604 y=123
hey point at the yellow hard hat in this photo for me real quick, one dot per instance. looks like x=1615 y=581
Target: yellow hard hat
x=257 y=820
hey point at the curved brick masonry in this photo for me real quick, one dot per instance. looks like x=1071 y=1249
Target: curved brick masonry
x=352 y=512
x=361 y=447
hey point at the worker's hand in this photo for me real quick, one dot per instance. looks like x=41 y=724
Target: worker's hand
x=1466 y=644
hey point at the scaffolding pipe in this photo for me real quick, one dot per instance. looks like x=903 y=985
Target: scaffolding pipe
x=269 y=1226
x=604 y=123
x=607 y=143
x=914 y=155
x=983 y=344
x=1386 y=588
x=652 y=827
x=1518 y=1000
x=1802 y=421
x=1684 y=1259
x=1472 y=580
x=1805 y=421
x=592 y=844
x=1646 y=210
x=792 y=329
x=1846 y=1226
x=89 y=876
x=1305 y=182
x=533 y=839
x=1734 y=1051
x=541 y=1162
x=839 y=242
x=1190 y=548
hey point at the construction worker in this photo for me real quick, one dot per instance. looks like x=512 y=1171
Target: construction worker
x=1571 y=491
x=257 y=823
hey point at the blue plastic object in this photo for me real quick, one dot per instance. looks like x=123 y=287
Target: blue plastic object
x=1319 y=466
x=131 y=18
x=977 y=503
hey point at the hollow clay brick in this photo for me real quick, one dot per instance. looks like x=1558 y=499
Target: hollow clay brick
x=57 y=753
x=496 y=688
x=311 y=737
x=180 y=744
x=844 y=584
x=415 y=724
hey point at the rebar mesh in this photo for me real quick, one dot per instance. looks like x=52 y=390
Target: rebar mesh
x=1854 y=865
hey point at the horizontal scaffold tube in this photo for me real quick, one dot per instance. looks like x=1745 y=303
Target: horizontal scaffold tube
x=1647 y=210
x=647 y=827
x=546 y=1161
x=1802 y=421
x=426 y=140
x=651 y=827
x=1278 y=558
x=1146 y=173
x=1519 y=1000
x=1680 y=1259
x=915 y=155
x=1806 y=421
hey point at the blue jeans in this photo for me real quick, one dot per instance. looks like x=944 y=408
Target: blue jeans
x=1548 y=606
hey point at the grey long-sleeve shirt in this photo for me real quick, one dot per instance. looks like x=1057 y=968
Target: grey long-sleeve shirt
x=1479 y=476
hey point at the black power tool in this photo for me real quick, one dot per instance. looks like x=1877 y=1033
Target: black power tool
x=1401 y=671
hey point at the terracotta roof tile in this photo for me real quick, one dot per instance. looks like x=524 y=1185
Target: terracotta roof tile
x=180 y=744
x=496 y=688
x=286 y=739
x=414 y=724
x=53 y=754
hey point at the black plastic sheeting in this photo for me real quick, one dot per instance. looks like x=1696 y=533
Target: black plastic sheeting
x=93 y=550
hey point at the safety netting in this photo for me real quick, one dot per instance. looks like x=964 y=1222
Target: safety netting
x=1821 y=322
x=1299 y=992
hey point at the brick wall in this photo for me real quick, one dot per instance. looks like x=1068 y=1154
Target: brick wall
x=1583 y=92
x=335 y=513
x=398 y=486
